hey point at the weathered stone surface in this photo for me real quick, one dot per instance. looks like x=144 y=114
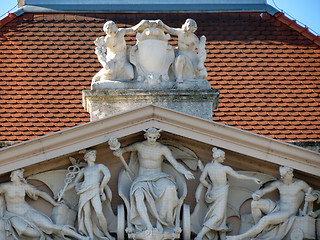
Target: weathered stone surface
x=103 y=103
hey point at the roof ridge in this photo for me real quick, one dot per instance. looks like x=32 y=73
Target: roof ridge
x=8 y=18
x=297 y=27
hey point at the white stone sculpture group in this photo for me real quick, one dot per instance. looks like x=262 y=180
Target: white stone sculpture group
x=152 y=62
x=153 y=188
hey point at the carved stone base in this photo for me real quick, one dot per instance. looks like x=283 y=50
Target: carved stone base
x=153 y=235
x=103 y=103
x=199 y=84
x=62 y=215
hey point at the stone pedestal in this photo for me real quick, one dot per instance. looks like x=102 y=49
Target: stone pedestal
x=103 y=103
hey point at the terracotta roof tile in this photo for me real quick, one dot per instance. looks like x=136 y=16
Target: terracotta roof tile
x=268 y=71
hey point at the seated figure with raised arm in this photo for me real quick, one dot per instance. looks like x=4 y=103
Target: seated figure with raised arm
x=191 y=53
x=112 y=54
x=153 y=193
x=268 y=214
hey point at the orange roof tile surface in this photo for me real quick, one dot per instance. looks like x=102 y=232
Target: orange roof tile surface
x=266 y=67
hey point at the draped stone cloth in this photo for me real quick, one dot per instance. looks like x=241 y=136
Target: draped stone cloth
x=86 y=194
x=215 y=219
x=279 y=231
x=19 y=223
x=161 y=199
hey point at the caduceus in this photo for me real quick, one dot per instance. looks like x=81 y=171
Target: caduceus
x=114 y=145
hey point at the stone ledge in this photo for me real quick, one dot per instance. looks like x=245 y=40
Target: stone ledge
x=103 y=103
x=188 y=84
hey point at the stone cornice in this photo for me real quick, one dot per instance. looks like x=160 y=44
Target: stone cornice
x=90 y=134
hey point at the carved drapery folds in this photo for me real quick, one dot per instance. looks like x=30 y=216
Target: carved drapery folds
x=152 y=63
x=152 y=187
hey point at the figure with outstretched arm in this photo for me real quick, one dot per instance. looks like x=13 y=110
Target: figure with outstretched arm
x=26 y=221
x=214 y=178
x=111 y=51
x=154 y=197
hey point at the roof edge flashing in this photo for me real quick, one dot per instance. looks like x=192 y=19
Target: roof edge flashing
x=150 y=8
x=19 y=11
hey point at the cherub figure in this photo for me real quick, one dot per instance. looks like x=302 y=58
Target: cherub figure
x=112 y=54
x=214 y=179
x=188 y=63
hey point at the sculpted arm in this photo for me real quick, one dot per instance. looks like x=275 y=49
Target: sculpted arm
x=204 y=175
x=130 y=148
x=3 y=188
x=76 y=180
x=179 y=167
x=170 y=30
x=34 y=193
x=106 y=176
x=261 y=192
x=124 y=31
x=233 y=173
x=309 y=197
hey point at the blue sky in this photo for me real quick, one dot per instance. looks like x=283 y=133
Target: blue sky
x=305 y=11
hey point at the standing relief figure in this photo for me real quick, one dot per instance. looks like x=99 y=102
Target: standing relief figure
x=189 y=64
x=112 y=54
x=214 y=181
x=154 y=199
x=273 y=220
x=94 y=198
x=24 y=222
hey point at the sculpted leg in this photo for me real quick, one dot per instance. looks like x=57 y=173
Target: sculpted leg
x=49 y=227
x=202 y=233
x=69 y=232
x=179 y=64
x=30 y=232
x=141 y=208
x=96 y=203
x=261 y=207
x=87 y=219
x=265 y=221
x=169 y=201
x=23 y=229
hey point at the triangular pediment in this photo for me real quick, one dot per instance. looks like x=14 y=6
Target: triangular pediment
x=47 y=161
x=245 y=149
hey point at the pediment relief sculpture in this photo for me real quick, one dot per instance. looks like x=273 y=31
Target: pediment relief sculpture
x=282 y=219
x=155 y=191
x=213 y=190
x=20 y=221
x=151 y=198
x=152 y=63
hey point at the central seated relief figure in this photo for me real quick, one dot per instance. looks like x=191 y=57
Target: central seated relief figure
x=153 y=191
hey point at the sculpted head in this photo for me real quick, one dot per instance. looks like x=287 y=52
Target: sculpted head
x=110 y=27
x=17 y=175
x=218 y=155
x=90 y=155
x=286 y=172
x=152 y=134
x=190 y=25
